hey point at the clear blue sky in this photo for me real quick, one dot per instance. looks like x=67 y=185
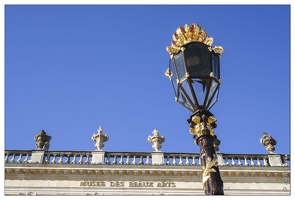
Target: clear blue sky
x=70 y=69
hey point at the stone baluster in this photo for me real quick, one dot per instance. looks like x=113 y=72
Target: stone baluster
x=67 y=160
x=26 y=159
x=74 y=159
x=128 y=160
x=174 y=161
x=108 y=160
x=180 y=160
x=47 y=160
x=134 y=160
x=87 y=159
x=167 y=161
x=115 y=160
x=239 y=162
x=194 y=161
x=186 y=161
x=226 y=162
x=258 y=162
x=246 y=163
x=60 y=159
x=147 y=160
x=6 y=158
x=233 y=163
x=12 y=159
x=265 y=162
x=252 y=162
x=54 y=159
x=19 y=159
x=140 y=161
x=81 y=159
x=121 y=160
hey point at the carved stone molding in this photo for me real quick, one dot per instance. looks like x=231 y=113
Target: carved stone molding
x=145 y=172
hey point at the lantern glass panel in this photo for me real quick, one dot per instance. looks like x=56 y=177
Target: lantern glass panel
x=214 y=98
x=173 y=78
x=213 y=88
x=184 y=101
x=197 y=58
x=201 y=87
x=188 y=90
x=215 y=65
x=179 y=64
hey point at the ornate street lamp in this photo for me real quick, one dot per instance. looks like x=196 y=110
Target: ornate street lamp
x=194 y=71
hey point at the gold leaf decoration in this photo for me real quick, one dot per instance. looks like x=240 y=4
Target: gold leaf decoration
x=187 y=34
x=211 y=119
x=210 y=162
x=169 y=73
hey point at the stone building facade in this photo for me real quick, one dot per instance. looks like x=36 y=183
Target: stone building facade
x=44 y=172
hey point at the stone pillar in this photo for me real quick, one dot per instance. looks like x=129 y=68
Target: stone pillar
x=37 y=157
x=220 y=159
x=158 y=158
x=98 y=157
x=275 y=160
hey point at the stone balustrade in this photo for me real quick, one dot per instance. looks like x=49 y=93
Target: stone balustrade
x=141 y=158
x=182 y=159
x=16 y=156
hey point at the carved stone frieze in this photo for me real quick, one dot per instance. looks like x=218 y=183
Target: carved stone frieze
x=65 y=172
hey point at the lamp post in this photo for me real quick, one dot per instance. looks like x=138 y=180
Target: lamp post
x=194 y=71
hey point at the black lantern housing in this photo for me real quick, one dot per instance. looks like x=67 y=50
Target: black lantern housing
x=195 y=76
x=194 y=70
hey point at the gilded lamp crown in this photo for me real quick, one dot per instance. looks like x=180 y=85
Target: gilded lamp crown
x=187 y=34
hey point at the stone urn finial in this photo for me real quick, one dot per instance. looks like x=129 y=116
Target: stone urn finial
x=42 y=140
x=100 y=138
x=156 y=140
x=268 y=142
